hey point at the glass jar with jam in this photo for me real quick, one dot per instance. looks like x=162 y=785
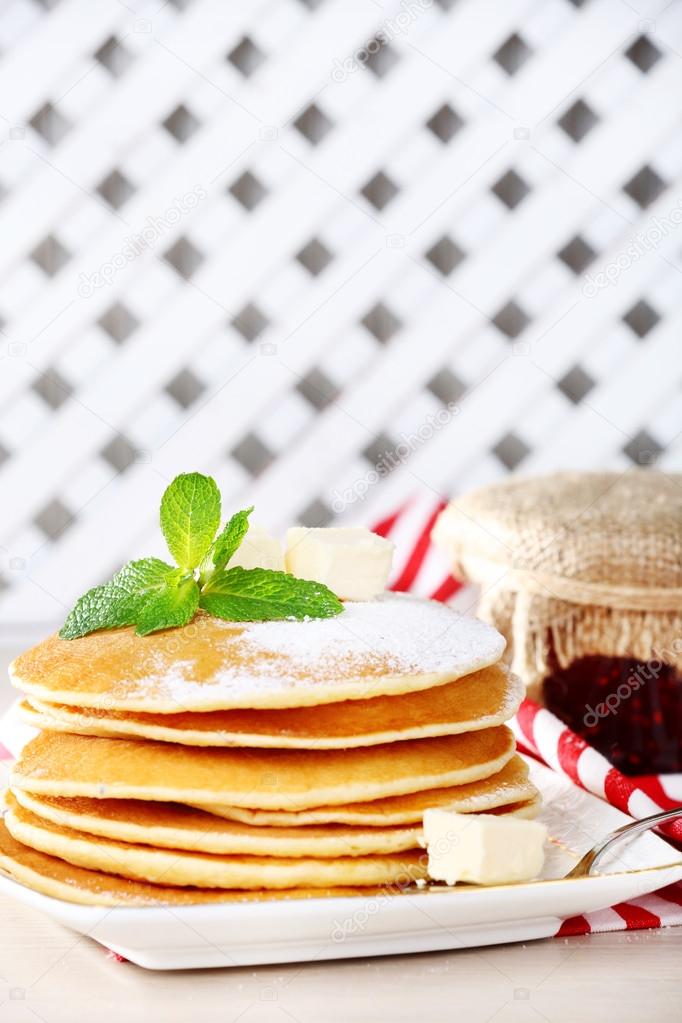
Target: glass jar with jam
x=582 y=573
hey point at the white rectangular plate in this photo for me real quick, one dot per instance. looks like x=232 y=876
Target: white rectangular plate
x=435 y=918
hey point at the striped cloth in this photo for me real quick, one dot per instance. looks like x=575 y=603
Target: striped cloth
x=419 y=568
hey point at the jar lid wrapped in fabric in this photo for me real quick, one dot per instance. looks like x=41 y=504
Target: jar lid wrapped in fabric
x=575 y=566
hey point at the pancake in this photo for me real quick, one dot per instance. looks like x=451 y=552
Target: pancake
x=508 y=786
x=60 y=764
x=482 y=700
x=173 y=826
x=204 y=870
x=391 y=645
x=60 y=880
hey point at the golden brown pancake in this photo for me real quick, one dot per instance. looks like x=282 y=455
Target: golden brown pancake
x=508 y=786
x=52 y=876
x=205 y=870
x=391 y=645
x=173 y=826
x=482 y=700
x=59 y=764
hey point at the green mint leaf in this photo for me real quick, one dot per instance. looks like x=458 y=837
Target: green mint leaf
x=152 y=595
x=172 y=603
x=231 y=538
x=117 y=602
x=259 y=595
x=190 y=516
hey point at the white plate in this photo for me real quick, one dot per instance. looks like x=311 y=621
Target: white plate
x=245 y=934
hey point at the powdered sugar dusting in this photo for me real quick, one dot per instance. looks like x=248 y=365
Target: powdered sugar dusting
x=409 y=636
x=393 y=635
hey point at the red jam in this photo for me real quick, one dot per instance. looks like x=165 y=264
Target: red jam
x=631 y=711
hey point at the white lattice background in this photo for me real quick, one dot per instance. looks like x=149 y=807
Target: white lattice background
x=333 y=253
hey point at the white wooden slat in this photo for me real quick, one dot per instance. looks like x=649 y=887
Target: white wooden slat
x=606 y=423
x=71 y=316
x=147 y=94
x=570 y=324
x=287 y=470
x=80 y=27
x=345 y=145
x=143 y=96
x=242 y=258
x=509 y=387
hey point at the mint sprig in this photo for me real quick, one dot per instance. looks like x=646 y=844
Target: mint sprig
x=226 y=544
x=122 y=601
x=152 y=595
x=174 y=603
x=259 y=594
x=190 y=516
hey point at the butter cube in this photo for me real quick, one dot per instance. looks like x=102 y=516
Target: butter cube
x=483 y=848
x=259 y=550
x=353 y=562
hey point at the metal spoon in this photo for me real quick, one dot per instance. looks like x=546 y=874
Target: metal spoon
x=589 y=861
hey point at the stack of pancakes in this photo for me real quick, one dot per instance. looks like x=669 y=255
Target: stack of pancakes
x=281 y=759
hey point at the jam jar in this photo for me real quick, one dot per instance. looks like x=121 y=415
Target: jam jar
x=582 y=573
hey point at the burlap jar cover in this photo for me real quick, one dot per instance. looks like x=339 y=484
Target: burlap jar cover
x=572 y=565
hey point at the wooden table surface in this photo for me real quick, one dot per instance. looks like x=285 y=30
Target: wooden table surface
x=50 y=974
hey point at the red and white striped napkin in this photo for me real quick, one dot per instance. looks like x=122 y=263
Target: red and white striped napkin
x=419 y=568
